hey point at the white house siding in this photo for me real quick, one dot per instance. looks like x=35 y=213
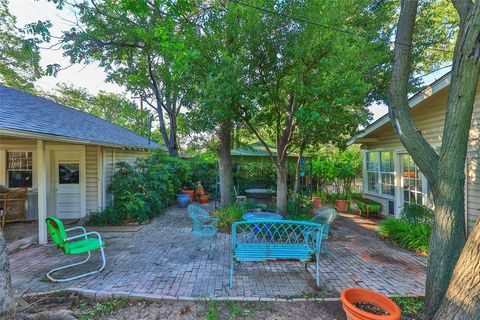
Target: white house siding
x=429 y=116
x=92 y=178
x=111 y=156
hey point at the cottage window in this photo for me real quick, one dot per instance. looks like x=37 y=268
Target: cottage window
x=372 y=159
x=380 y=173
x=412 y=181
x=19 y=169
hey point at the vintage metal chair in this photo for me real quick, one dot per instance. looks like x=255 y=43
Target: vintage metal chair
x=83 y=244
x=272 y=240
x=325 y=216
x=12 y=205
x=203 y=225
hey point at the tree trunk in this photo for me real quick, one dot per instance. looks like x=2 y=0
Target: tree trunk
x=225 y=163
x=462 y=300
x=444 y=172
x=7 y=302
x=282 y=190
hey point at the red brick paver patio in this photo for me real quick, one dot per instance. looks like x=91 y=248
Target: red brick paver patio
x=160 y=261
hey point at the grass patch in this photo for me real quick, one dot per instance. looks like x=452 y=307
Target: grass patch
x=212 y=311
x=405 y=234
x=410 y=306
x=98 y=309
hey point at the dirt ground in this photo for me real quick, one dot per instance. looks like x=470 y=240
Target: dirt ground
x=114 y=309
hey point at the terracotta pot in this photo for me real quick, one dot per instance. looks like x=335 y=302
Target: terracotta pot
x=200 y=191
x=190 y=192
x=203 y=199
x=350 y=296
x=317 y=202
x=341 y=205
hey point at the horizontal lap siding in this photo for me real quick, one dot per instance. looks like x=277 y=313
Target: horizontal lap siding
x=92 y=178
x=429 y=118
x=111 y=157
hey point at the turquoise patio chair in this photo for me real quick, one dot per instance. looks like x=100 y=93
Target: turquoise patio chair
x=325 y=216
x=82 y=244
x=204 y=226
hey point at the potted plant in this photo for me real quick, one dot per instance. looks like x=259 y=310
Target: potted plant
x=366 y=304
x=317 y=201
x=346 y=170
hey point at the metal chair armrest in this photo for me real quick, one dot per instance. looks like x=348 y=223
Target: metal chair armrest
x=84 y=231
x=85 y=235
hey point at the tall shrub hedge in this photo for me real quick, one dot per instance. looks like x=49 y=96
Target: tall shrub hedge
x=142 y=190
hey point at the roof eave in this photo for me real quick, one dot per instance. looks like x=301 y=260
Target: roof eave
x=416 y=99
x=56 y=138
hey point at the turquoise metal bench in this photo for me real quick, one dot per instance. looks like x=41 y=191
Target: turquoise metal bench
x=272 y=240
x=203 y=225
x=325 y=216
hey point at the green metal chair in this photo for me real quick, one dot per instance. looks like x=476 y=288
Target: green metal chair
x=63 y=242
x=325 y=216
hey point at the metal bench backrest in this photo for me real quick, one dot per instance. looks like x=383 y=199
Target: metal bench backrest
x=278 y=234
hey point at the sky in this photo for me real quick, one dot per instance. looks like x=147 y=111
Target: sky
x=92 y=77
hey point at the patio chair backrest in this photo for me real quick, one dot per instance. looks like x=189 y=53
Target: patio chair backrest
x=197 y=214
x=57 y=232
x=327 y=215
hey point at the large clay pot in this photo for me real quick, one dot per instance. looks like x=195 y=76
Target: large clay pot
x=351 y=296
x=203 y=199
x=200 y=191
x=341 y=205
x=190 y=192
x=317 y=202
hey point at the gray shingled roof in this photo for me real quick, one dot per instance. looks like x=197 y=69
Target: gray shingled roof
x=32 y=114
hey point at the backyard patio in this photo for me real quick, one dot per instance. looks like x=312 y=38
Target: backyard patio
x=159 y=261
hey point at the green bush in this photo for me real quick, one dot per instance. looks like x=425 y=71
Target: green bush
x=300 y=209
x=143 y=190
x=229 y=215
x=415 y=213
x=408 y=235
x=204 y=169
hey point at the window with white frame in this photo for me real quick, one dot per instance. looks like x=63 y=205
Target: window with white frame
x=372 y=164
x=19 y=169
x=412 y=181
x=387 y=174
x=380 y=172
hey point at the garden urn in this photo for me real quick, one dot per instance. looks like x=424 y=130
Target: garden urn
x=366 y=304
x=317 y=202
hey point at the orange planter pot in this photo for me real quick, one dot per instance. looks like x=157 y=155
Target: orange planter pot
x=341 y=205
x=354 y=295
x=190 y=192
x=203 y=199
x=317 y=202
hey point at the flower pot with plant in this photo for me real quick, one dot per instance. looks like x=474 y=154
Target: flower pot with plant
x=366 y=304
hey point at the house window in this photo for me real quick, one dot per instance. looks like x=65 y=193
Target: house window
x=372 y=159
x=387 y=174
x=412 y=181
x=380 y=173
x=19 y=169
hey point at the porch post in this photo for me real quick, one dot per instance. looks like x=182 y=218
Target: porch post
x=42 y=192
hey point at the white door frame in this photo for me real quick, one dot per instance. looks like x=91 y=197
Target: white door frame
x=51 y=149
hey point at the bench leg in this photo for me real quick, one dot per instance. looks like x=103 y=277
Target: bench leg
x=231 y=274
x=317 y=271
x=51 y=278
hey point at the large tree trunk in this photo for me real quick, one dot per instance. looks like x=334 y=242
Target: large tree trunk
x=282 y=190
x=225 y=163
x=7 y=302
x=462 y=300
x=444 y=172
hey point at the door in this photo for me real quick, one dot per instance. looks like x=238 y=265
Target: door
x=67 y=185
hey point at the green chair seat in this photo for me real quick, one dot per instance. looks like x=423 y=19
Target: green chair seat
x=82 y=246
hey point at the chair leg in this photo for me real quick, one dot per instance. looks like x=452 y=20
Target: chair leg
x=317 y=271
x=51 y=278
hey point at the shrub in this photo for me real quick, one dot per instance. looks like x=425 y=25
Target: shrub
x=203 y=167
x=144 y=189
x=407 y=235
x=228 y=215
x=300 y=209
x=415 y=213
